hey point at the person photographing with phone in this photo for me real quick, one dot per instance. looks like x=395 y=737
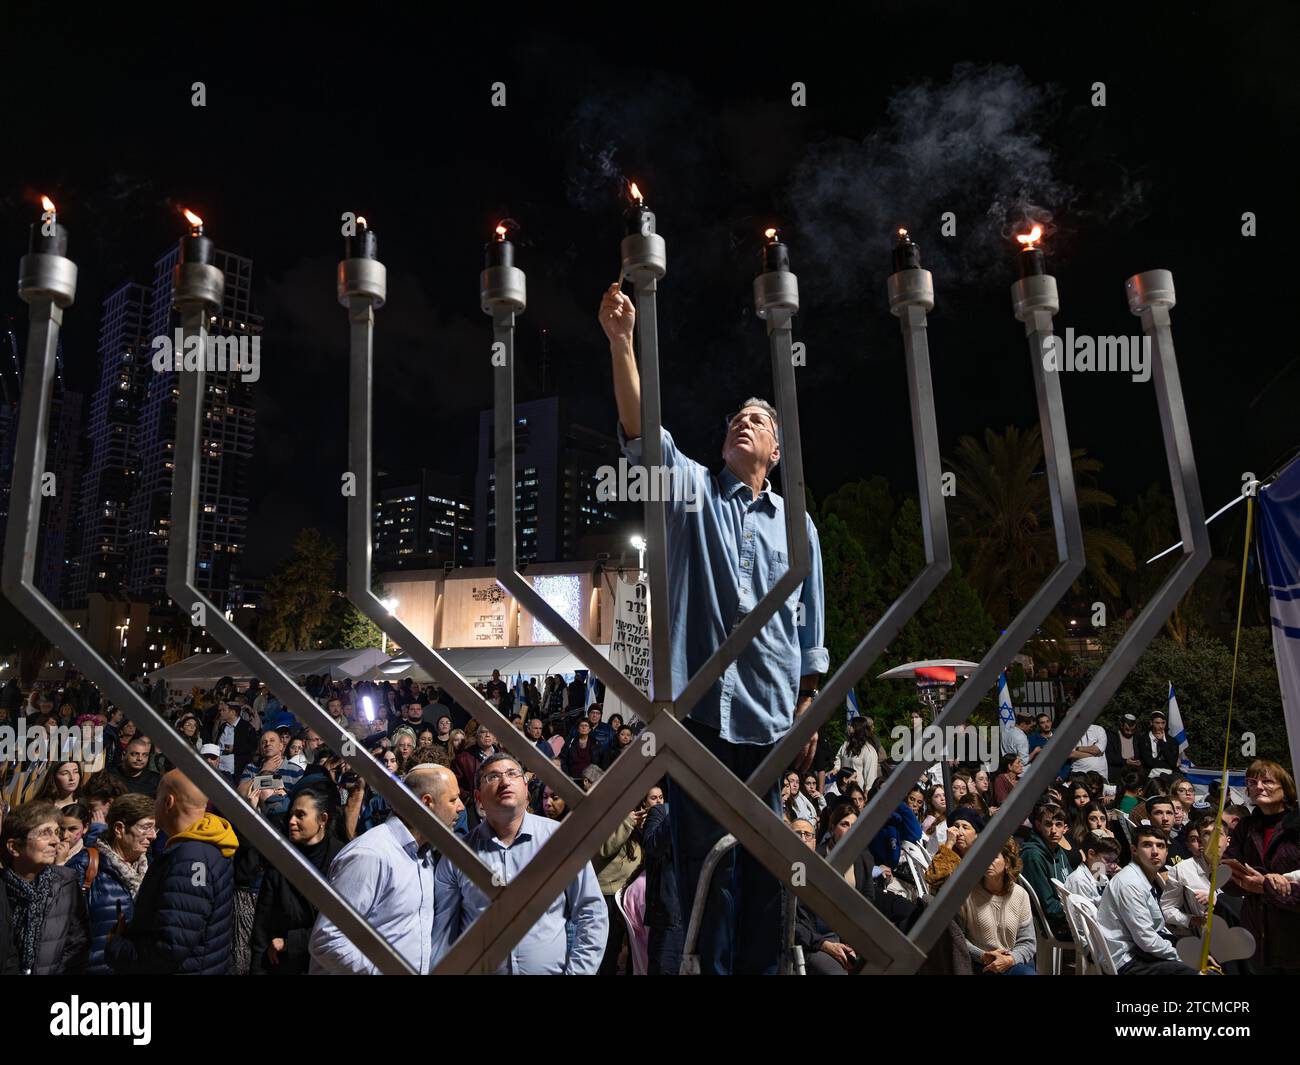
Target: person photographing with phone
x=727 y=547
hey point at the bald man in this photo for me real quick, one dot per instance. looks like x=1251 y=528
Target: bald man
x=386 y=874
x=185 y=910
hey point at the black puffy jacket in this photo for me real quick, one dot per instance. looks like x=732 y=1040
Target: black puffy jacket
x=184 y=915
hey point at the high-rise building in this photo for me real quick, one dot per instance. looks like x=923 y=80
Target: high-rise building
x=556 y=463
x=423 y=520
x=226 y=448
x=62 y=462
x=112 y=462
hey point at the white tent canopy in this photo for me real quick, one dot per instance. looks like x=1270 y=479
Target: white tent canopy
x=476 y=663
x=203 y=671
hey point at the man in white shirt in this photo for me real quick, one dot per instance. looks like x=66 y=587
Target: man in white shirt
x=1129 y=913
x=1100 y=863
x=386 y=875
x=1089 y=754
x=1015 y=737
x=1187 y=884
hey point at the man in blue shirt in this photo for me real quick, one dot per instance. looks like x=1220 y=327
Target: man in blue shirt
x=726 y=549
x=506 y=840
x=386 y=875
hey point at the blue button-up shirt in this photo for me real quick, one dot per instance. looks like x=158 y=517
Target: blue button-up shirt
x=545 y=949
x=389 y=881
x=726 y=549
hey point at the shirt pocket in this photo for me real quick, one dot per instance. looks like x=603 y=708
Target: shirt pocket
x=777 y=567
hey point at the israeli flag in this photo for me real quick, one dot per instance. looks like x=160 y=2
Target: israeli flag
x=851 y=705
x=1006 y=713
x=1279 y=550
x=1174 y=724
x=591 y=687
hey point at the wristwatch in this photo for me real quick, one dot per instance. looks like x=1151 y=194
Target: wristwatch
x=808 y=693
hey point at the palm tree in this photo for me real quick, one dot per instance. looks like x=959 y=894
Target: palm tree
x=1002 y=528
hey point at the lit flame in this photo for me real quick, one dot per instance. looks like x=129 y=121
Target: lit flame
x=1032 y=237
x=47 y=204
x=902 y=233
x=361 y=221
x=636 y=194
x=191 y=217
x=501 y=231
x=769 y=233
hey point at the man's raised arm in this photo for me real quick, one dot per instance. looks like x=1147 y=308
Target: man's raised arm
x=618 y=318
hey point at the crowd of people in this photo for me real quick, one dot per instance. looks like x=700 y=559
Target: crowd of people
x=97 y=852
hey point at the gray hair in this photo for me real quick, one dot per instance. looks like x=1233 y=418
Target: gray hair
x=770 y=411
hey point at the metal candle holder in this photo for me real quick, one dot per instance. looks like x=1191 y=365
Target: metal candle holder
x=48 y=284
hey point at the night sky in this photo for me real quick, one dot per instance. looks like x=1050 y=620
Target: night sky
x=910 y=113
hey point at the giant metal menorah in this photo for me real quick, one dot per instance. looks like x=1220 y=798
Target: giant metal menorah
x=47 y=282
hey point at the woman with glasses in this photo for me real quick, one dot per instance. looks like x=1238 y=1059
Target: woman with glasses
x=1264 y=855
x=112 y=870
x=46 y=917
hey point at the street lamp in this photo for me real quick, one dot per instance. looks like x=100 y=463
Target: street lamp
x=390 y=604
x=638 y=542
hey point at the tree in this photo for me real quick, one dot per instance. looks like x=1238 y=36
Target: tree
x=1201 y=672
x=852 y=602
x=1150 y=525
x=299 y=595
x=346 y=626
x=1002 y=526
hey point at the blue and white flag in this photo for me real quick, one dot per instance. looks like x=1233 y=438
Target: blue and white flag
x=1006 y=714
x=851 y=705
x=1174 y=727
x=1279 y=547
x=591 y=688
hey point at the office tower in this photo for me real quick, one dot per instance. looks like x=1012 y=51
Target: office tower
x=227 y=446
x=112 y=462
x=423 y=520
x=556 y=460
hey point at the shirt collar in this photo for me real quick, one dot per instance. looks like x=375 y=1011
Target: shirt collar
x=402 y=836
x=732 y=485
x=525 y=832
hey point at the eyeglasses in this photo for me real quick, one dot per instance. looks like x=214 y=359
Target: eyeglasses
x=751 y=419
x=45 y=833
x=1260 y=782
x=143 y=828
x=496 y=778
x=805 y=835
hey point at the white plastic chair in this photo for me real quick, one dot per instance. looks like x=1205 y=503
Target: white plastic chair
x=1077 y=931
x=1050 y=948
x=1096 y=938
x=918 y=860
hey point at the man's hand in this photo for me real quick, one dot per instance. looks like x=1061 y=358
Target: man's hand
x=999 y=961
x=617 y=315
x=273 y=763
x=841 y=952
